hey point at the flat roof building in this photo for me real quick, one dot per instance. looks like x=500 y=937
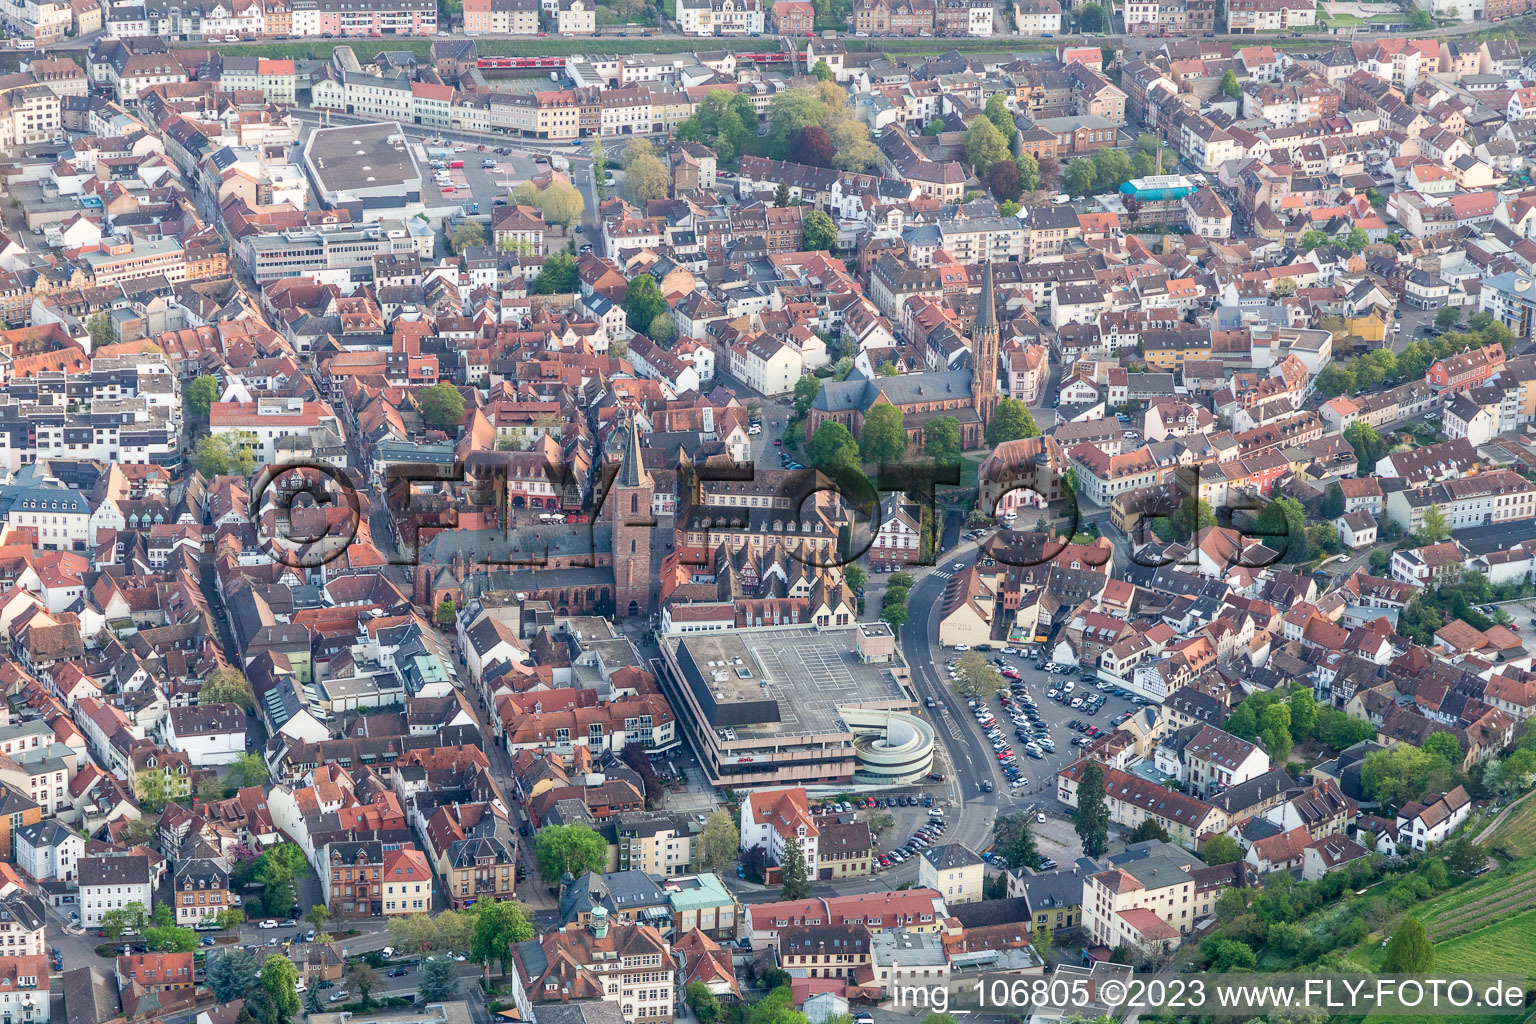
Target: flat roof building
x=799 y=706
x=362 y=167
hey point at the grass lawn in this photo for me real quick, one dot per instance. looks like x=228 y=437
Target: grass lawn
x=1502 y=948
x=1342 y=20
x=1518 y=833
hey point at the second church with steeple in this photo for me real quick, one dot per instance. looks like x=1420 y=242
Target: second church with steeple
x=967 y=394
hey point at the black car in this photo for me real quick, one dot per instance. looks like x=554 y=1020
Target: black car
x=398 y=972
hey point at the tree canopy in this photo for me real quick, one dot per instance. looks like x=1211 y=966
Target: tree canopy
x=1011 y=420
x=441 y=406
x=883 y=439
x=576 y=849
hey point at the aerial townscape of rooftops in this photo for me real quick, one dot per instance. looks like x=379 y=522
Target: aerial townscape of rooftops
x=601 y=512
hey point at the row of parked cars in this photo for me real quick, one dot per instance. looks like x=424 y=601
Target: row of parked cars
x=921 y=840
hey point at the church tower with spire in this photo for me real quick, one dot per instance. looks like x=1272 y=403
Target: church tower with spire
x=629 y=501
x=984 y=345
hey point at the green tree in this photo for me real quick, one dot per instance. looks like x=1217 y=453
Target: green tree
x=1091 y=817
x=643 y=302
x=1283 y=527
x=441 y=406
x=1079 y=177
x=557 y=276
x=823 y=72
x=1011 y=420
x=446 y=612
x=1226 y=954
x=1111 y=168
x=226 y=686
x=232 y=975
x=1221 y=849
x=1356 y=240
x=249 y=770
x=941 y=439
x=796 y=879
x=1370 y=447
x=806 y=390
x=781 y=195
x=364 y=979
x=501 y=923
x=439 y=980
x=1333 y=502
x=128 y=918
x=1333 y=380
x=1192 y=515
x=1436 y=527
x=703 y=1002
x=975 y=676
x=1409 y=951
x=576 y=849
x=788 y=113
x=817 y=233
x=201 y=394
x=719 y=842
x=1149 y=829
x=1090 y=17
x=230 y=918
x=998 y=113
x=170 y=939
x=1401 y=774
x=99 y=326
x=1420 y=20
x=562 y=204
x=1043 y=940
x=1283 y=286
x=832 y=446
x=646 y=178
x=468 y=235
x=934 y=127
x=1014 y=838
x=1313 y=239
x=1275 y=731
x=1304 y=709
x=1230 y=87
x=984 y=145
x=883 y=440
x=1029 y=172
x=278 y=984
x=1446 y=316
x=151 y=789
x=318 y=915
x=1445 y=745
x=225 y=454
x=663 y=329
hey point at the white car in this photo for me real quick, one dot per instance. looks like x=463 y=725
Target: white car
x=267 y=924
x=957 y=567
x=1040 y=817
x=962 y=647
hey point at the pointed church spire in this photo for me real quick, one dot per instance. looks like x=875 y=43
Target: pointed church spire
x=986 y=315
x=984 y=346
x=632 y=471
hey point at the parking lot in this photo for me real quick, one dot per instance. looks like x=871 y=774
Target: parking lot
x=474 y=183
x=1031 y=784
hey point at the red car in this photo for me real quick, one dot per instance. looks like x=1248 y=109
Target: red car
x=778 y=441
